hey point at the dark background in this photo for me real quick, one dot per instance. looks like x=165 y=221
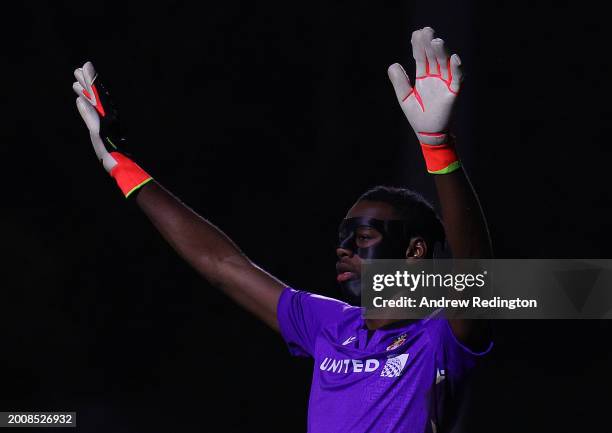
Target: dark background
x=270 y=119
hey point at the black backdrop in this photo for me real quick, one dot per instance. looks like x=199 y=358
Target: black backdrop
x=270 y=119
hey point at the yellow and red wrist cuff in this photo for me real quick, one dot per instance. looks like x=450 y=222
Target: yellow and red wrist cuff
x=128 y=175
x=440 y=158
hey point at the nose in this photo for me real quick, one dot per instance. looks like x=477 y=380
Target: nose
x=343 y=252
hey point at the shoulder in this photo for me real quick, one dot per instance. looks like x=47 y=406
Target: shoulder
x=441 y=335
x=311 y=305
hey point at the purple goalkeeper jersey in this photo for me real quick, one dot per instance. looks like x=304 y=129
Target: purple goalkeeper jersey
x=405 y=378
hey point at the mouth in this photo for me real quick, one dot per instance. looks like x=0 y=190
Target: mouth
x=345 y=272
x=345 y=276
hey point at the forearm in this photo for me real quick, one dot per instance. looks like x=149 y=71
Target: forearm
x=464 y=222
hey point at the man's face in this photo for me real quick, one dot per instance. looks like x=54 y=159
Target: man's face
x=348 y=266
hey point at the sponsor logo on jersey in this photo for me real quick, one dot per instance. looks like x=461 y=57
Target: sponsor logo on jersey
x=393 y=367
x=349 y=340
x=349 y=365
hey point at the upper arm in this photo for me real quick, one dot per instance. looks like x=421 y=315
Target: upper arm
x=468 y=237
x=473 y=334
x=211 y=253
x=459 y=356
x=250 y=286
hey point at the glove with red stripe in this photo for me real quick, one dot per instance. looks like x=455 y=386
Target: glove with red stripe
x=100 y=116
x=429 y=104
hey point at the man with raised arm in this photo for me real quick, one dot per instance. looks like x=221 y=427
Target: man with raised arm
x=369 y=375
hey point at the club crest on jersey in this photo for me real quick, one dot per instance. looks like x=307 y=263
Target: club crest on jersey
x=397 y=342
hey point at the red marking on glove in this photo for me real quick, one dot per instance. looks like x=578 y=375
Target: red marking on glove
x=416 y=94
x=450 y=78
x=409 y=93
x=433 y=134
x=418 y=98
x=99 y=106
x=439 y=76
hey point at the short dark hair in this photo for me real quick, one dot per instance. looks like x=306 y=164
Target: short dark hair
x=412 y=207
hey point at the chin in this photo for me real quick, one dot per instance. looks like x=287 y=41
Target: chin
x=351 y=291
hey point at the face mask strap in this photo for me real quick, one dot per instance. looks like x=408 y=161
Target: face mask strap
x=395 y=235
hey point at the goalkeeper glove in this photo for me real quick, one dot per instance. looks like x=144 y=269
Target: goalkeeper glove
x=100 y=116
x=429 y=104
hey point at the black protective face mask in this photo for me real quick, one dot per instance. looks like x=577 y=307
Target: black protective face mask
x=395 y=239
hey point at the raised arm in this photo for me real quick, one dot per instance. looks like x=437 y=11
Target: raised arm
x=429 y=106
x=196 y=240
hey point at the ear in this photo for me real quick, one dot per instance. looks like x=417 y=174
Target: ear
x=417 y=249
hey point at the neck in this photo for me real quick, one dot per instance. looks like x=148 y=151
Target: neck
x=373 y=324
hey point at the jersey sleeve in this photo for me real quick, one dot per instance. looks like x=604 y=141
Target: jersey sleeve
x=458 y=357
x=454 y=363
x=301 y=316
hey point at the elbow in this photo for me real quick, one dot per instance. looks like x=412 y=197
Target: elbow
x=221 y=271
